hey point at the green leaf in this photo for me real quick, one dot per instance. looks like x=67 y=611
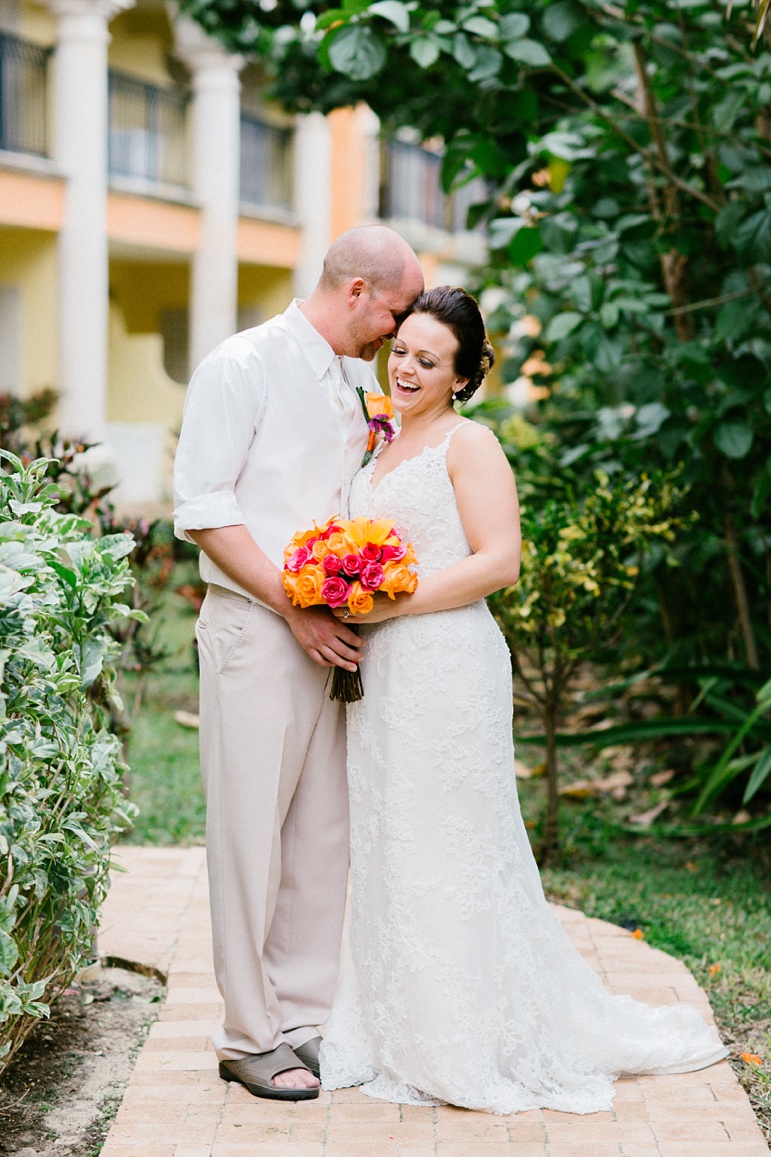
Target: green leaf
x=525 y=246
x=725 y=113
x=645 y=729
x=9 y=954
x=464 y=51
x=528 y=52
x=734 y=439
x=726 y=222
x=489 y=61
x=514 y=26
x=333 y=16
x=425 y=51
x=481 y=26
x=561 y=20
x=357 y=52
x=752 y=238
x=65 y=574
x=563 y=324
x=759 y=775
x=734 y=319
x=392 y=10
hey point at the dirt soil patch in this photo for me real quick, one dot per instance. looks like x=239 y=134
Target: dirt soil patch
x=59 y=1096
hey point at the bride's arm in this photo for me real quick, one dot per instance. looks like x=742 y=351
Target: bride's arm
x=487 y=502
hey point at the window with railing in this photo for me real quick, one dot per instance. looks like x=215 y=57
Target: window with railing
x=147 y=135
x=23 y=69
x=411 y=188
x=266 y=164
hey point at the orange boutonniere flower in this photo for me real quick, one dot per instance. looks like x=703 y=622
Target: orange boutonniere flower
x=379 y=412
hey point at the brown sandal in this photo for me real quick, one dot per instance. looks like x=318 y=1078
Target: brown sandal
x=255 y=1073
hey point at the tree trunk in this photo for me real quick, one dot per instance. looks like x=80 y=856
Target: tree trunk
x=740 y=595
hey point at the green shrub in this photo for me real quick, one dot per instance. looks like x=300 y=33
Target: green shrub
x=61 y=792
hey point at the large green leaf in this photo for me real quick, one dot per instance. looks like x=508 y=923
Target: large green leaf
x=561 y=20
x=357 y=52
x=645 y=730
x=752 y=237
x=514 y=26
x=425 y=51
x=394 y=11
x=734 y=439
x=562 y=325
x=759 y=775
x=527 y=52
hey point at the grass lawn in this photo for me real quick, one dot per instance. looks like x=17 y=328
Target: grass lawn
x=705 y=900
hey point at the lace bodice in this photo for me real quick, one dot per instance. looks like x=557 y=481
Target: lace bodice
x=419 y=496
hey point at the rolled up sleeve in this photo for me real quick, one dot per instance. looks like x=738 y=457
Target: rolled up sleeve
x=222 y=410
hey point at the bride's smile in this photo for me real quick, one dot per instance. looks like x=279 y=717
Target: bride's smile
x=421 y=367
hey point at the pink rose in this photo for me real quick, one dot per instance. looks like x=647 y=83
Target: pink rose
x=334 y=591
x=331 y=529
x=297 y=561
x=351 y=564
x=331 y=564
x=372 y=576
x=392 y=552
x=370 y=552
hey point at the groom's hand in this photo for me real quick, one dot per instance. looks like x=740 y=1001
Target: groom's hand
x=328 y=642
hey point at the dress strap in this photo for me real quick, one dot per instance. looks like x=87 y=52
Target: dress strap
x=450 y=433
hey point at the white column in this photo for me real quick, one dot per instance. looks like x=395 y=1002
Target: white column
x=80 y=148
x=216 y=180
x=313 y=199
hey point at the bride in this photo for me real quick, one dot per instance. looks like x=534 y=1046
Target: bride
x=458 y=983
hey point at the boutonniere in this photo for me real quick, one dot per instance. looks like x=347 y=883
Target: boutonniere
x=379 y=412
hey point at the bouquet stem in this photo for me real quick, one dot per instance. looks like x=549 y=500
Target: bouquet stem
x=347 y=685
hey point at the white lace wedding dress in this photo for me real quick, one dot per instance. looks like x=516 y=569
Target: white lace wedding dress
x=458 y=982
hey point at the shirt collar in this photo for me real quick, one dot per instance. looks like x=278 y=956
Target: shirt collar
x=317 y=349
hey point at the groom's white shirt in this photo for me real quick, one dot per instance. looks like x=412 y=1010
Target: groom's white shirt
x=264 y=441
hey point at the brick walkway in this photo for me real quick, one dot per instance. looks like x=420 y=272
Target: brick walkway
x=176 y=1106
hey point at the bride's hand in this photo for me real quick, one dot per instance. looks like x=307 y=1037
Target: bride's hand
x=384 y=608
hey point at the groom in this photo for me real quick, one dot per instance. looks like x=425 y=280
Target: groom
x=272 y=434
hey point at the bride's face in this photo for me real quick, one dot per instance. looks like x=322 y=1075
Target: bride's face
x=421 y=367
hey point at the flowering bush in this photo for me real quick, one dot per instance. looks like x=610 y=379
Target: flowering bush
x=61 y=798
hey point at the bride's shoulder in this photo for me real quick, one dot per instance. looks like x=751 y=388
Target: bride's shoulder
x=473 y=448
x=470 y=437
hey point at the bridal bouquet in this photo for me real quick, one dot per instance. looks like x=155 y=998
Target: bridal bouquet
x=344 y=564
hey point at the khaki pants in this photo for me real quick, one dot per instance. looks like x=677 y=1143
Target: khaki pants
x=273 y=762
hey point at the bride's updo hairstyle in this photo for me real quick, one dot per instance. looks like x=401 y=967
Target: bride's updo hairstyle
x=459 y=311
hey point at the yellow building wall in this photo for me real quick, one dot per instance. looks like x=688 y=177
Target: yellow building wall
x=140 y=390
x=264 y=290
x=141 y=41
x=37 y=23
x=29 y=259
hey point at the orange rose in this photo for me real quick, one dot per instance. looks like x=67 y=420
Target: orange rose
x=304 y=588
x=379 y=405
x=321 y=549
x=360 y=602
x=399 y=579
x=337 y=543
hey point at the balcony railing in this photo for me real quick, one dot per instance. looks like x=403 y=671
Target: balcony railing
x=147 y=140
x=266 y=164
x=411 y=188
x=23 y=68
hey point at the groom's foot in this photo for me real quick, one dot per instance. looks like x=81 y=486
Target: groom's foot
x=278 y=1075
x=296 y=1079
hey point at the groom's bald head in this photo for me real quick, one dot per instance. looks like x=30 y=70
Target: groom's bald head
x=371 y=278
